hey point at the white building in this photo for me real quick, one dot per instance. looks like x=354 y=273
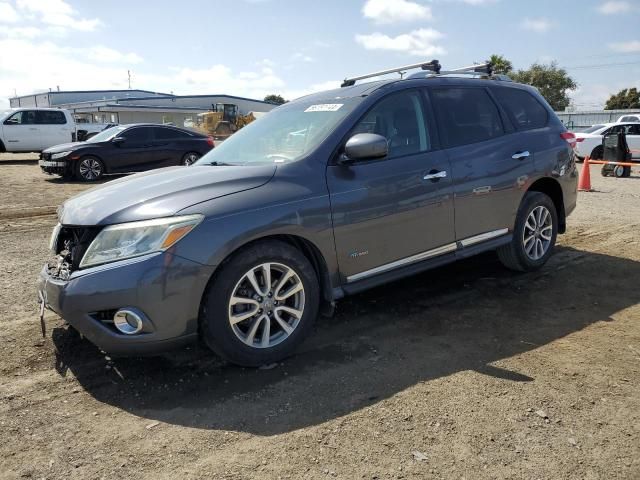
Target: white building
x=136 y=106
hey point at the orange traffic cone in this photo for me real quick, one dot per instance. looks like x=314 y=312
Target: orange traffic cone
x=584 y=182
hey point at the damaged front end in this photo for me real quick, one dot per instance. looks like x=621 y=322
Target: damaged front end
x=69 y=244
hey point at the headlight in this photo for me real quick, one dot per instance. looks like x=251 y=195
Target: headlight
x=59 y=155
x=127 y=240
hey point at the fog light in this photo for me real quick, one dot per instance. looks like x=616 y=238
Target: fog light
x=127 y=322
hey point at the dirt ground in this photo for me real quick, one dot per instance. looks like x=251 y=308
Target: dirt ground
x=468 y=371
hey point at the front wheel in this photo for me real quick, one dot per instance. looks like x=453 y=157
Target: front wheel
x=89 y=169
x=261 y=305
x=534 y=235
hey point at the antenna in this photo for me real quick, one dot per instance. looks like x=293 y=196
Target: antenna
x=129 y=75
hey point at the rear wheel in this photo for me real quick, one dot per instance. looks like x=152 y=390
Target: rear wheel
x=534 y=235
x=190 y=158
x=89 y=169
x=261 y=304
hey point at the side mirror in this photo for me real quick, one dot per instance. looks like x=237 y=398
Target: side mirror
x=118 y=140
x=364 y=146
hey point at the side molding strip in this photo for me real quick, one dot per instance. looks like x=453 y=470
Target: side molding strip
x=428 y=254
x=483 y=236
x=404 y=261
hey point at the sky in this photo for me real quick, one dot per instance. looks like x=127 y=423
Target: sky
x=253 y=48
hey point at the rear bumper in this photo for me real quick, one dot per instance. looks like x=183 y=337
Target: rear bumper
x=166 y=288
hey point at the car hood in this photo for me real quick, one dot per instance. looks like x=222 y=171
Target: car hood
x=159 y=193
x=64 y=147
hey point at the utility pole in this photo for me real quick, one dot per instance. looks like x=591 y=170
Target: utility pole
x=129 y=75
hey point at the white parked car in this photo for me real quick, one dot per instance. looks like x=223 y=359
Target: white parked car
x=36 y=129
x=629 y=118
x=589 y=142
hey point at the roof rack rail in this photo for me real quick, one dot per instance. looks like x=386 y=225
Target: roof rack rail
x=433 y=66
x=485 y=69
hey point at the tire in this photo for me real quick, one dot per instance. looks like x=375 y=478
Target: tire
x=232 y=338
x=89 y=169
x=597 y=153
x=190 y=158
x=627 y=172
x=519 y=255
x=619 y=171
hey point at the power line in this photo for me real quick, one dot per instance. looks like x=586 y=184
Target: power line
x=601 y=65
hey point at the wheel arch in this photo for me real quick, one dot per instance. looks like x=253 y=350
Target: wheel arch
x=307 y=248
x=2 y=147
x=85 y=155
x=553 y=190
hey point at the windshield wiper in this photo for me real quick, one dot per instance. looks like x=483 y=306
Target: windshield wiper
x=220 y=164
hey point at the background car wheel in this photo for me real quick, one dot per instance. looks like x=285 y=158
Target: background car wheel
x=190 y=158
x=261 y=304
x=618 y=171
x=89 y=169
x=597 y=153
x=534 y=235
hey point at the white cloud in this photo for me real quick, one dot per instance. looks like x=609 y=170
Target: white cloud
x=57 y=13
x=478 y=2
x=109 y=55
x=613 y=7
x=416 y=42
x=394 y=11
x=538 y=25
x=8 y=14
x=632 y=46
x=301 y=57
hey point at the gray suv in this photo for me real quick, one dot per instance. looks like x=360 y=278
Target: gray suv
x=324 y=197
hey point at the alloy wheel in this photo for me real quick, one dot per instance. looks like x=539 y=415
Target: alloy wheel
x=90 y=169
x=191 y=158
x=537 y=233
x=266 y=305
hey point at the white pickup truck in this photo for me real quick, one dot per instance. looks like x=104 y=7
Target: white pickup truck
x=35 y=129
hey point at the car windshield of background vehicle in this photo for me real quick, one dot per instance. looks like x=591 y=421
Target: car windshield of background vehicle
x=106 y=135
x=593 y=129
x=285 y=134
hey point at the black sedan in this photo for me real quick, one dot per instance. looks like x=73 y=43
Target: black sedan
x=125 y=149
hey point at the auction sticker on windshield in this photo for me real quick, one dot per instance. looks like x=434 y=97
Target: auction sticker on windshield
x=324 y=107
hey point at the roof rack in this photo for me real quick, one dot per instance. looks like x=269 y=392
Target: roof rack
x=435 y=69
x=433 y=66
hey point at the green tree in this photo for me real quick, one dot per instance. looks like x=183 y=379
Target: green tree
x=553 y=83
x=500 y=64
x=627 y=98
x=273 y=98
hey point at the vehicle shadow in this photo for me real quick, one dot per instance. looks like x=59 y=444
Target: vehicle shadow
x=461 y=317
x=73 y=181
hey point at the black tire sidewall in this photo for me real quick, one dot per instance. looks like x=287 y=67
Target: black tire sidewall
x=597 y=153
x=214 y=324
x=529 y=203
x=77 y=169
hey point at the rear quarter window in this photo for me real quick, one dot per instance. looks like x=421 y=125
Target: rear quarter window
x=49 y=117
x=525 y=110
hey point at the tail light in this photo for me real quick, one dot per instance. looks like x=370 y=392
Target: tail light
x=579 y=139
x=570 y=137
x=210 y=141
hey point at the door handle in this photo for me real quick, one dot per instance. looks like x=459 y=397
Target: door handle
x=520 y=155
x=434 y=175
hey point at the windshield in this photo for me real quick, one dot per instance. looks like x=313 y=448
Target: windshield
x=285 y=134
x=106 y=135
x=593 y=128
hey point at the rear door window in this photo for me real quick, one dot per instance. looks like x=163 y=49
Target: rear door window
x=466 y=115
x=49 y=117
x=525 y=111
x=161 y=133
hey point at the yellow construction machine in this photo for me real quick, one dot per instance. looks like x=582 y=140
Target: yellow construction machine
x=222 y=121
